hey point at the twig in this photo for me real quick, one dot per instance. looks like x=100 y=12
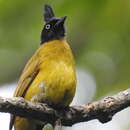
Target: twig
x=102 y=110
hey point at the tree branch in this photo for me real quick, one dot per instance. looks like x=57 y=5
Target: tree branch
x=102 y=110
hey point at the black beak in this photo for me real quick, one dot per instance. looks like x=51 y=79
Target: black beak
x=61 y=21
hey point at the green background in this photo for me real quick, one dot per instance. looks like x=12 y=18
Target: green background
x=98 y=32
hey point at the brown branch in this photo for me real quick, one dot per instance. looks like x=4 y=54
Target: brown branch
x=102 y=110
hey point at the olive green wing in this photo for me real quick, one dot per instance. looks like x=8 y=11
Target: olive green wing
x=30 y=72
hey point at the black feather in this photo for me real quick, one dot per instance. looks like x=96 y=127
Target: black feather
x=48 y=13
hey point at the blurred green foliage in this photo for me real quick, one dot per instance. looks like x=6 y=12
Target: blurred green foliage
x=98 y=31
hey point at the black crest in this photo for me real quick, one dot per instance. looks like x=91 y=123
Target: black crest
x=48 y=13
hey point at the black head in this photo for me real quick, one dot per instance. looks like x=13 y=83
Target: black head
x=54 y=27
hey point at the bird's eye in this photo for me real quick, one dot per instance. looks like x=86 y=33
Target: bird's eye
x=48 y=26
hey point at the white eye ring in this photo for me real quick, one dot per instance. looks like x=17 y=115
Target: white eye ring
x=48 y=26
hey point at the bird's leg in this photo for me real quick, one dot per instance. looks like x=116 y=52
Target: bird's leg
x=58 y=125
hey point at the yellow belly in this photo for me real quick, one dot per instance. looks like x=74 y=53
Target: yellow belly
x=56 y=80
x=55 y=86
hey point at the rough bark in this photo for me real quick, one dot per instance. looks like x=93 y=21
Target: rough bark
x=102 y=110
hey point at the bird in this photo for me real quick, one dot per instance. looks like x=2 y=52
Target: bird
x=50 y=75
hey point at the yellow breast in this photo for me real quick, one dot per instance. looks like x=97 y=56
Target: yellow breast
x=56 y=80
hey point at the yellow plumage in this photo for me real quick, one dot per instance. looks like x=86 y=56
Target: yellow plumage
x=48 y=77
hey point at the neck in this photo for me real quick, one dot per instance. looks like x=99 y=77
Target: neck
x=44 y=41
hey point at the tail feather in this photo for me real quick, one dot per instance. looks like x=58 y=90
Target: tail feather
x=12 y=118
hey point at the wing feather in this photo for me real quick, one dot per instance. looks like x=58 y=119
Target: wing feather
x=29 y=73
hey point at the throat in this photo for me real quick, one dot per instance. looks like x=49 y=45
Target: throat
x=51 y=38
